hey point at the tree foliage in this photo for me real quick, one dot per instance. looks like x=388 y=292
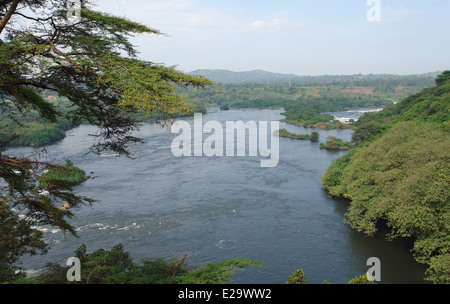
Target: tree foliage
x=298 y=277
x=286 y=133
x=115 y=266
x=91 y=63
x=400 y=175
x=67 y=174
x=334 y=143
x=360 y=280
x=442 y=78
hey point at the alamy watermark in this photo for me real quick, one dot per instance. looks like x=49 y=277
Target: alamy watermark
x=190 y=142
x=374 y=272
x=74 y=272
x=74 y=8
x=374 y=12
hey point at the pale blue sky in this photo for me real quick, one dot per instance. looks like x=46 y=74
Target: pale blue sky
x=303 y=37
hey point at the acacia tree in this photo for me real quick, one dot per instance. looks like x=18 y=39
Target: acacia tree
x=90 y=61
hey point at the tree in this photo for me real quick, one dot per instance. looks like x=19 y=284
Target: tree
x=90 y=61
x=442 y=78
x=360 y=280
x=334 y=143
x=314 y=136
x=366 y=132
x=298 y=277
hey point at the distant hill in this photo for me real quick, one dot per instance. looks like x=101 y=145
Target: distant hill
x=255 y=76
x=260 y=76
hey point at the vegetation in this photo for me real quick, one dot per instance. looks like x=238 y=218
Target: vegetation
x=334 y=143
x=380 y=83
x=285 y=133
x=30 y=129
x=225 y=107
x=93 y=68
x=305 y=99
x=67 y=174
x=314 y=136
x=306 y=115
x=360 y=280
x=115 y=266
x=298 y=277
x=399 y=175
x=304 y=102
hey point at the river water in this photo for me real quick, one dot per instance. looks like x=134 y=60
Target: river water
x=347 y=116
x=216 y=208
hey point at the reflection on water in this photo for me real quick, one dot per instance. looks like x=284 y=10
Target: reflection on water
x=216 y=208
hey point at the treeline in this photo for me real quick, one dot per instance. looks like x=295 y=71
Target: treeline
x=328 y=97
x=314 y=136
x=305 y=103
x=306 y=114
x=334 y=143
x=382 y=81
x=399 y=175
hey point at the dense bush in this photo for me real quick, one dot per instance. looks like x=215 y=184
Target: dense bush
x=399 y=175
x=334 y=143
x=68 y=174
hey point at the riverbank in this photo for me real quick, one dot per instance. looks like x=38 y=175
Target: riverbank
x=314 y=136
x=322 y=125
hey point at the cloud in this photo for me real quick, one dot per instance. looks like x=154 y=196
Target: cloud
x=264 y=24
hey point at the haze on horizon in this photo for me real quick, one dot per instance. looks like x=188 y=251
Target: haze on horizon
x=298 y=37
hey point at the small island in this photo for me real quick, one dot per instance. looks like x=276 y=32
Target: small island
x=68 y=175
x=334 y=143
x=314 y=136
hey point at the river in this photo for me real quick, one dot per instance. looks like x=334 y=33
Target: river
x=216 y=208
x=352 y=114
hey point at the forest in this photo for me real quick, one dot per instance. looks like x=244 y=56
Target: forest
x=303 y=103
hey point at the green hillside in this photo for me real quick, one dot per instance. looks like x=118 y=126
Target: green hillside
x=399 y=175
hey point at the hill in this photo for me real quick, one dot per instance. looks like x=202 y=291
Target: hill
x=399 y=175
x=265 y=77
x=255 y=76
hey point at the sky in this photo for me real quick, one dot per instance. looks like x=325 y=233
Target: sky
x=302 y=37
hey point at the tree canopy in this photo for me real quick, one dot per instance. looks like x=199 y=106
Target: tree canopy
x=399 y=174
x=90 y=61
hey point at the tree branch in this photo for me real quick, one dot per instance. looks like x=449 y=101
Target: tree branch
x=8 y=15
x=31 y=18
x=66 y=56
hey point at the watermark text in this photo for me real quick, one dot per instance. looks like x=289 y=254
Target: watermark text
x=233 y=143
x=374 y=12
